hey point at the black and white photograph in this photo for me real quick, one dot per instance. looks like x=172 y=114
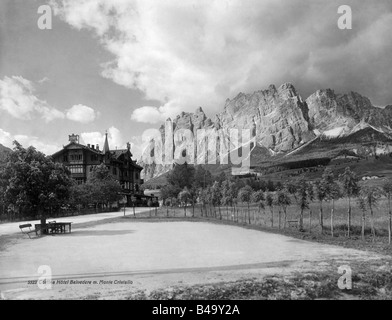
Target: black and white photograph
x=194 y=154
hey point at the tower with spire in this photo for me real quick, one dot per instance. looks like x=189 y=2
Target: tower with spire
x=106 y=144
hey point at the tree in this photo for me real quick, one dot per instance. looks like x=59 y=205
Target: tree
x=387 y=187
x=3 y=186
x=304 y=192
x=351 y=189
x=170 y=191
x=104 y=187
x=182 y=176
x=269 y=200
x=202 y=177
x=233 y=193
x=332 y=192
x=279 y=186
x=100 y=173
x=208 y=196
x=362 y=205
x=270 y=186
x=194 y=194
x=226 y=199
x=291 y=188
x=244 y=195
x=283 y=200
x=203 y=199
x=81 y=195
x=168 y=203
x=371 y=197
x=321 y=191
x=184 y=196
x=259 y=198
x=221 y=177
x=33 y=182
x=216 y=197
x=110 y=190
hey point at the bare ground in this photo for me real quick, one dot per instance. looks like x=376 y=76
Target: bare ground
x=133 y=259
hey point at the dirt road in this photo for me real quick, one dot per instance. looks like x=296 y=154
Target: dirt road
x=13 y=227
x=130 y=256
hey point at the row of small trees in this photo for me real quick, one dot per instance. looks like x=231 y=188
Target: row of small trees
x=301 y=193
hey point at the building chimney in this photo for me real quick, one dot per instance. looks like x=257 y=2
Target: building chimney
x=92 y=147
x=74 y=138
x=98 y=147
x=88 y=146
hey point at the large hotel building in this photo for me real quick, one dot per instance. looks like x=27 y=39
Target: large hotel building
x=81 y=159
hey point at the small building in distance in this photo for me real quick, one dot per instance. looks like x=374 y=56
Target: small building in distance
x=81 y=160
x=245 y=172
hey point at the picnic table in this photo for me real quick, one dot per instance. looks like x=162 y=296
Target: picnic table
x=55 y=227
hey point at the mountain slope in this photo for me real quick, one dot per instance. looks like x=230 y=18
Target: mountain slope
x=286 y=127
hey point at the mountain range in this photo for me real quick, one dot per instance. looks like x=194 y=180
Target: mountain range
x=287 y=127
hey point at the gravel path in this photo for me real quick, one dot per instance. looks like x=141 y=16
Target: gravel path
x=13 y=227
x=154 y=254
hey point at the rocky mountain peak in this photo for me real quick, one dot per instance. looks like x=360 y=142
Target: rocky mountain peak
x=328 y=110
x=281 y=121
x=199 y=110
x=271 y=88
x=287 y=90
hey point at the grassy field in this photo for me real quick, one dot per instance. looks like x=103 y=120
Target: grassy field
x=311 y=215
x=261 y=219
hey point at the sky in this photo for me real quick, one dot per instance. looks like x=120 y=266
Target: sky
x=124 y=66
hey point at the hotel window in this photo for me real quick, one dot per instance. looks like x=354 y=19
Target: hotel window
x=115 y=171
x=76 y=157
x=65 y=159
x=76 y=169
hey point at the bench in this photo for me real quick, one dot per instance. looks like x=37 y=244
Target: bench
x=293 y=223
x=53 y=227
x=50 y=228
x=22 y=228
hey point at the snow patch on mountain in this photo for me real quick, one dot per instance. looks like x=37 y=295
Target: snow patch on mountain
x=335 y=132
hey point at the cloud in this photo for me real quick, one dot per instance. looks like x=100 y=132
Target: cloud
x=17 y=99
x=186 y=53
x=43 y=80
x=7 y=139
x=115 y=138
x=81 y=113
x=148 y=114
